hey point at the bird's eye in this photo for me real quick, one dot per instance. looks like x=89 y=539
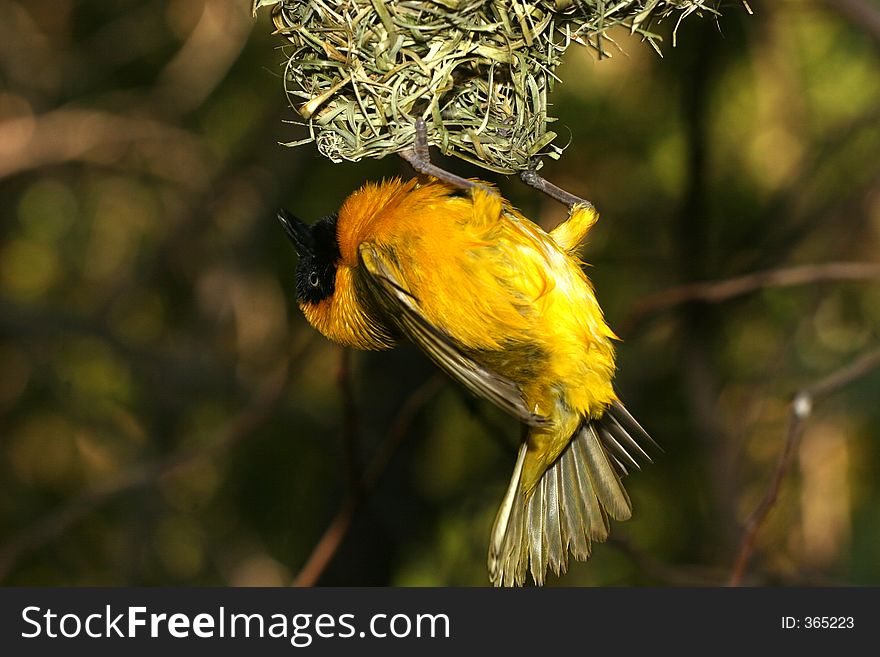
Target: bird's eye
x=313 y=279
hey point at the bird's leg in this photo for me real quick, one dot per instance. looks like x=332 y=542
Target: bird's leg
x=420 y=148
x=532 y=178
x=420 y=160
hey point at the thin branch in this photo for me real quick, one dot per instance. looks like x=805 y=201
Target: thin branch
x=861 y=15
x=499 y=433
x=399 y=428
x=532 y=178
x=840 y=378
x=349 y=421
x=723 y=290
x=664 y=572
x=332 y=538
x=64 y=135
x=199 y=206
x=204 y=60
x=801 y=408
x=35 y=323
x=240 y=427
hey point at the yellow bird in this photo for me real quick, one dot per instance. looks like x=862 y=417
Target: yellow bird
x=506 y=309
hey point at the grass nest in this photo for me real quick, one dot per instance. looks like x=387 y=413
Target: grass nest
x=479 y=72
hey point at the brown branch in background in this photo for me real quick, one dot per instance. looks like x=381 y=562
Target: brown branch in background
x=203 y=197
x=801 y=409
x=204 y=60
x=494 y=427
x=46 y=322
x=664 y=572
x=251 y=418
x=331 y=539
x=759 y=393
x=65 y=135
x=723 y=290
x=860 y=14
x=349 y=420
x=700 y=381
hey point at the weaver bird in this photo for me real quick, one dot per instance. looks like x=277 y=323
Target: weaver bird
x=506 y=309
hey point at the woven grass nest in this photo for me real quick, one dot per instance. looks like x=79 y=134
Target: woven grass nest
x=479 y=72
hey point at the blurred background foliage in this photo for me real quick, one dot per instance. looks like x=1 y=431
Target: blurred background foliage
x=167 y=416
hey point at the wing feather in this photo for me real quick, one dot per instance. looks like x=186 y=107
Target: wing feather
x=403 y=307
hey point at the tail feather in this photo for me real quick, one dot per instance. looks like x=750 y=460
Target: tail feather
x=508 y=547
x=553 y=530
x=631 y=426
x=571 y=504
x=596 y=527
x=537 y=537
x=573 y=512
x=605 y=480
x=621 y=458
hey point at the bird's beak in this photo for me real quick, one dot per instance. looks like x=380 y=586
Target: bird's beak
x=298 y=232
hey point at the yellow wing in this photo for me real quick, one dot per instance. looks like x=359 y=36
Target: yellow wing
x=400 y=304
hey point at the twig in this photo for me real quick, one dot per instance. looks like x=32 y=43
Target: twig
x=204 y=60
x=786 y=217
x=698 y=376
x=723 y=290
x=397 y=433
x=349 y=421
x=859 y=13
x=419 y=159
x=43 y=322
x=801 y=409
x=329 y=543
x=532 y=178
x=331 y=539
x=497 y=432
x=64 y=135
x=203 y=196
x=54 y=524
x=664 y=572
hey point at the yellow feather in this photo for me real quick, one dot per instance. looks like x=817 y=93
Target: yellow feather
x=570 y=234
